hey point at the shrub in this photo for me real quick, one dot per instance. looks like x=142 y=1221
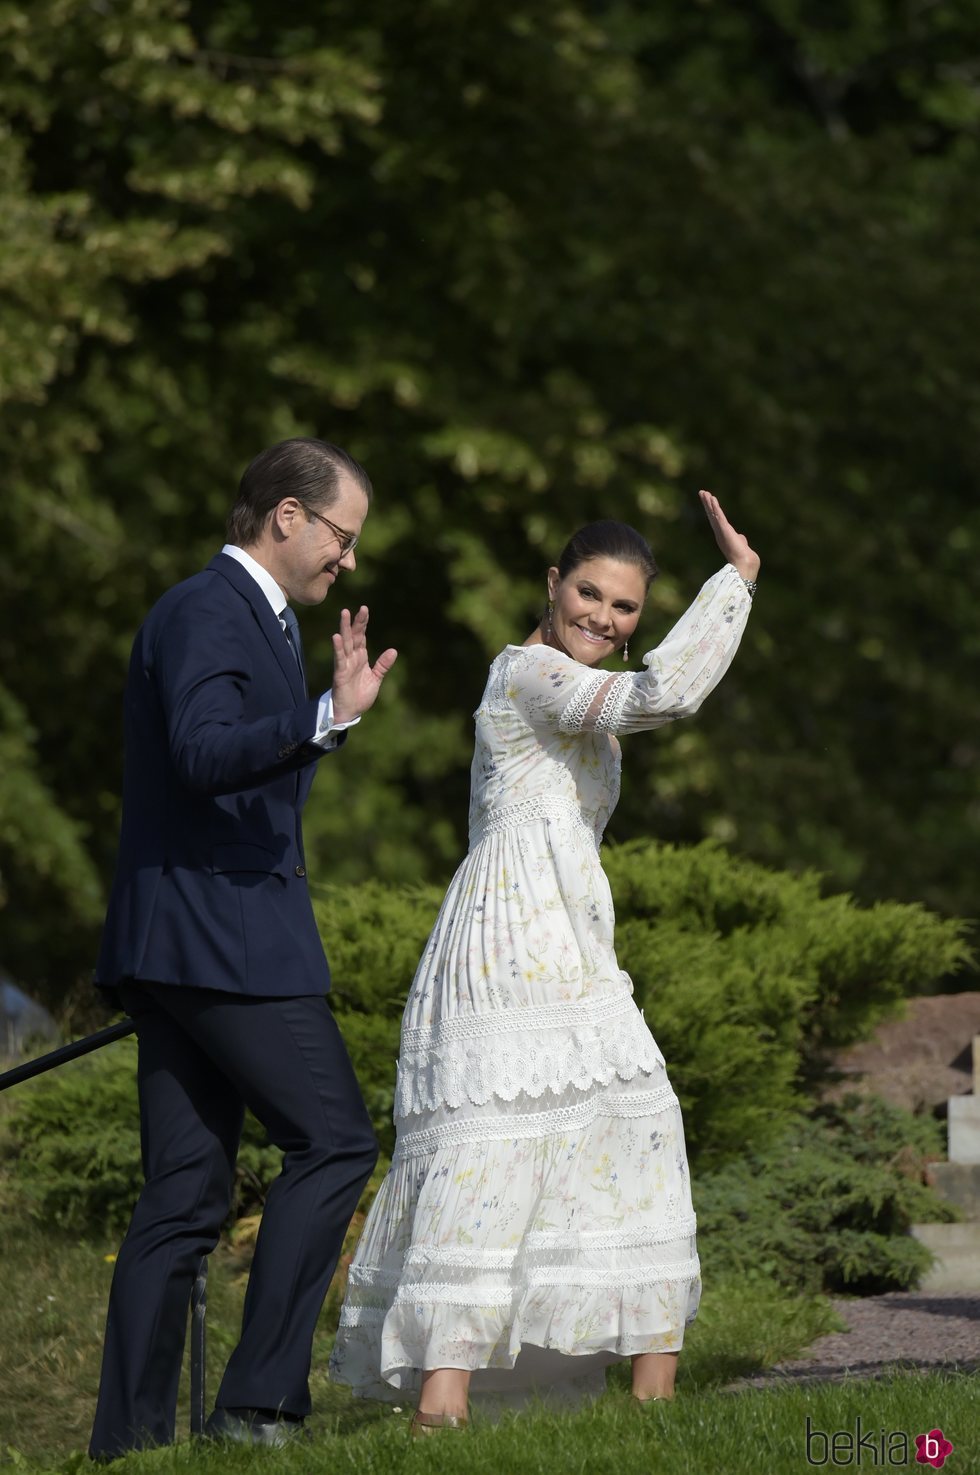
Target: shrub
x=850 y=965
x=748 y=977
x=71 y=1146
x=827 y=1205
x=374 y=936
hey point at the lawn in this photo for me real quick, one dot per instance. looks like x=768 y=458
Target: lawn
x=710 y=1431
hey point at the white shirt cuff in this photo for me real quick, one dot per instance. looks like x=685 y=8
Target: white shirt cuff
x=327 y=729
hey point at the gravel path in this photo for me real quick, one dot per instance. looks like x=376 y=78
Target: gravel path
x=900 y=1331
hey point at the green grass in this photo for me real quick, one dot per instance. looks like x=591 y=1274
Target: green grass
x=712 y=1432
x=53 y=1308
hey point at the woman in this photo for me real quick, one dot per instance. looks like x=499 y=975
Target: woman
x=538 y=1197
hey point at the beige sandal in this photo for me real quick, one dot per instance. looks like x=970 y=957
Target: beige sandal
x=425 y=1424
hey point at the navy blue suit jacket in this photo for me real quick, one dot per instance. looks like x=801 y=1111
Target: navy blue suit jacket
x=210 y=888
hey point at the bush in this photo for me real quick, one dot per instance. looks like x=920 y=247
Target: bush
x=748 y=977
x=827 y=1205
x=374 y=936
x=71 y=1146
x=852 y=963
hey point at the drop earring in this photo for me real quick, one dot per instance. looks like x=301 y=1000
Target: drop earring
x=551 y=610
x=626 y=650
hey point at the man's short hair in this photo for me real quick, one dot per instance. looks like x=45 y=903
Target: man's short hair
x=307 y=469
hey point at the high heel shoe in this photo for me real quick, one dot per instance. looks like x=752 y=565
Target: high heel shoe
x=426 y=1424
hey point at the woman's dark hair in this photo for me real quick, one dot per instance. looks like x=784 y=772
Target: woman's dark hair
x=307 y=469
x=608 y=539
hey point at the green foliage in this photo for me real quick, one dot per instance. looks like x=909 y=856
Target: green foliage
x=827 y=1205
x=31 y=823
x=71 y=1146
x=747 y=978
x=374 y=936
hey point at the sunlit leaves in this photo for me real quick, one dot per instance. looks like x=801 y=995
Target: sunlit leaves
x=533 y=265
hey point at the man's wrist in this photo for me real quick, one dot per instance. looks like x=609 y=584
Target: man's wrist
x=329 y=725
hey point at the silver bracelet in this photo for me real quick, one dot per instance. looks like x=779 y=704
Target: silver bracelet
x=751 y=585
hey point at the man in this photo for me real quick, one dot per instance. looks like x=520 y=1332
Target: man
x=211 y=944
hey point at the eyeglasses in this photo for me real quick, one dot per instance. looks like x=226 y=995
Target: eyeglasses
x=347 y=541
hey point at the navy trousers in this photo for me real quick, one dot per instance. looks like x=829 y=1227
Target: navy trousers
x=203 y=1057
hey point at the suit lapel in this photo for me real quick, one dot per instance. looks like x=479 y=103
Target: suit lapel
x=242 y=581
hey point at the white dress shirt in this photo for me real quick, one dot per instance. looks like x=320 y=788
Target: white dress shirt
x=327 y=729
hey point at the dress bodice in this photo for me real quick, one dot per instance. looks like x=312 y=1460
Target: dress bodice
x=545 y=727
x=524 y=771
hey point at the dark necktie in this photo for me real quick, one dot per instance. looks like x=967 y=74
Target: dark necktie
x=293 y=636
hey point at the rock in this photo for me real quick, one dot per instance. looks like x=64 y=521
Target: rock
x=918 y=1061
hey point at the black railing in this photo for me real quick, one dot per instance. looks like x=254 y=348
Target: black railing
x=199 y=1294
x=31 y=1068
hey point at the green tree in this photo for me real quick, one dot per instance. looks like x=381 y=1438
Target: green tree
x=532 y=264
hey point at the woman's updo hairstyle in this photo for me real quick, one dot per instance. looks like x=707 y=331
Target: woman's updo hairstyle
x=608 y=539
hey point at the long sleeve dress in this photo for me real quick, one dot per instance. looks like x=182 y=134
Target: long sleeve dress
x=538 y=1196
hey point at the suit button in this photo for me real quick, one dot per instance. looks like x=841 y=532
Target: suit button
x=301 y=870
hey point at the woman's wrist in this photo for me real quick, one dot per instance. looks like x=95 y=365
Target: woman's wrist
x=749 y=576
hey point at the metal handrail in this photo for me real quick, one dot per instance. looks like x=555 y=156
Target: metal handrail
x=31 y=1068
x=199 y=1294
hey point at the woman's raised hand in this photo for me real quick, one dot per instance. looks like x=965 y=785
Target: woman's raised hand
x=734 y=546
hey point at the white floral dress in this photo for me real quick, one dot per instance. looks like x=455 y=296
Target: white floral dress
x=538 y=1196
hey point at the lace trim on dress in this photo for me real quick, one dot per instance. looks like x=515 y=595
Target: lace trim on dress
x=458 y=1257
x=680 y=1227
x=529 y=1052
x=584 y=1275
x=361 y=1315
x=503 y=1021
x=535 y=1244
x=540 y=806
x=536 y=1278
x=420 y=1292
x=598 y=703
x=573 y=718
x=610 y=714
x=532 y=1124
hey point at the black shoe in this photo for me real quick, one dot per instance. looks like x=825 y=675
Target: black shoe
x=253 y=1426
